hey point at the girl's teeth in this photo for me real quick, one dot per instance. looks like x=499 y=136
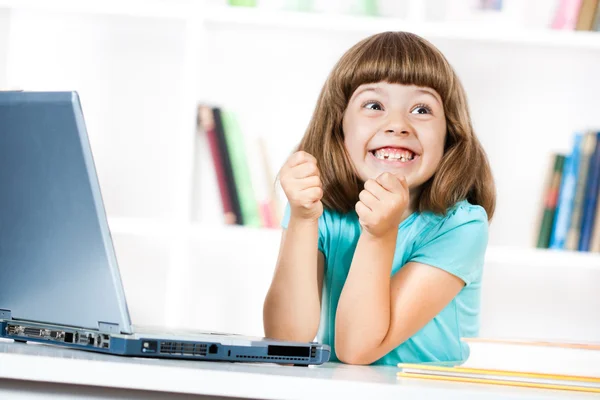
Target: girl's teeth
x=384 y=155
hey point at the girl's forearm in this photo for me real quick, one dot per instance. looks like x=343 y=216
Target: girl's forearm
x=363 y=312
x=292 y=306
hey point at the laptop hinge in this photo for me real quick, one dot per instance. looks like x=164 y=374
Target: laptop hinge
x=109 y=327
x=5 y=314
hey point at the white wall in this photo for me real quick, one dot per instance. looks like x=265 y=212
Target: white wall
x=143 y=263
x=4 y=31
x=128 y=72
x=221 y=287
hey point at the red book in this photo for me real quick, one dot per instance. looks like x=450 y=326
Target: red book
x=207 y=124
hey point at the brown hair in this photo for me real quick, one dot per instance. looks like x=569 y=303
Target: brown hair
x=405 y=58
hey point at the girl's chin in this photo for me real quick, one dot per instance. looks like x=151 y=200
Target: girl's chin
x=399 y=172
x=375 y=174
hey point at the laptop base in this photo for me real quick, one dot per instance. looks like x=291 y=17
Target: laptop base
x=222 y=348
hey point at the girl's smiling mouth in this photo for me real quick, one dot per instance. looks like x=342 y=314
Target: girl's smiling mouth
x=390 y=155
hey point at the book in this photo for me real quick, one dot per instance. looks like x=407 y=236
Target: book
x=595 y=241
x=495 y=377
x=587 y=15
x=588 y=144
x=534 y=356
x=550 y=199
x=590 y=199
x=227 y=165
x=271 y=207
x=519 y=362
x=206 y=125
x=539 y=220
x=567 y=14
x=564 y=205
x=262 y=180
x=596 y=23
x=242 y=179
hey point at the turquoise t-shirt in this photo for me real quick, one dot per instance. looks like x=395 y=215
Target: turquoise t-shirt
x=455 y=243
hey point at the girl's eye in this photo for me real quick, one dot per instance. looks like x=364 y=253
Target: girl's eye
x=373 y=105
x=421 y=109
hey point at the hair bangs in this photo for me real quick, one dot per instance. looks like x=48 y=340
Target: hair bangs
x=398 y=57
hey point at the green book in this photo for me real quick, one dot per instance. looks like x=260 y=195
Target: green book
x=242 y=3
x=366 y=7
x=241 y=170
x=550 y=201
x=298 y=5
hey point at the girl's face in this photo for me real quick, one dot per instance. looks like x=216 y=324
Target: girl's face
x=395 y=128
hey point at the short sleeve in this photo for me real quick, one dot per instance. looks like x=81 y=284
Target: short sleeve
x=457 y=244
x=285 y=220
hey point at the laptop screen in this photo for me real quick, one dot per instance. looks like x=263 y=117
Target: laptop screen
x=57 y=262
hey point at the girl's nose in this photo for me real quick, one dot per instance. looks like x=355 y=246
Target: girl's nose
x=393 y=131
x=397 y=125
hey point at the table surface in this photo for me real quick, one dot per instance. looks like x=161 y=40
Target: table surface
x=47 y=363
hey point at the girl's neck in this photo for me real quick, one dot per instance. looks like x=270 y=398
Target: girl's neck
x=413 y=202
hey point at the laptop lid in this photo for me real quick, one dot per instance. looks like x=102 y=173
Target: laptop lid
x=57 y=262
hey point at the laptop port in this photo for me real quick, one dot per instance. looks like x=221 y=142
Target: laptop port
x=288 y=351
x=149 y=346
x=213 y=349
x=68 y=337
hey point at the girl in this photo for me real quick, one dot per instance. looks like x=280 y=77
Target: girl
x=389 y=197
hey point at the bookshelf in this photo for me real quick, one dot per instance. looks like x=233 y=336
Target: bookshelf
x=327 y=23
x=528 y=90
x=505 y=255
x=142 y=66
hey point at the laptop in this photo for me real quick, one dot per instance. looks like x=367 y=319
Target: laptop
x=59 y=279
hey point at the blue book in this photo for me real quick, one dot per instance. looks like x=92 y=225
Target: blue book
x=591 y=199
x=568 y=186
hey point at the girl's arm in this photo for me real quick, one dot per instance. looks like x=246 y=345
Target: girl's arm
x=292 y=307
x=377 y=313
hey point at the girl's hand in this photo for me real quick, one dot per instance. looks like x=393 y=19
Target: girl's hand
x=382 y=204
x=302 y=186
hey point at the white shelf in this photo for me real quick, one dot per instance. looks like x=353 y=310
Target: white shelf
x=503 y=255
x=140 y=227
x=276 y=19
x=147 y=227
x=370 y=25
x=134 y=8
x=542 y=258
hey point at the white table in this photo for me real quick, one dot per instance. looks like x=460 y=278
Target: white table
x=32 y=371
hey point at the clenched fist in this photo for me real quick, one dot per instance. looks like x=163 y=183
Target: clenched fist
x=382 y=204
x=302 y=186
